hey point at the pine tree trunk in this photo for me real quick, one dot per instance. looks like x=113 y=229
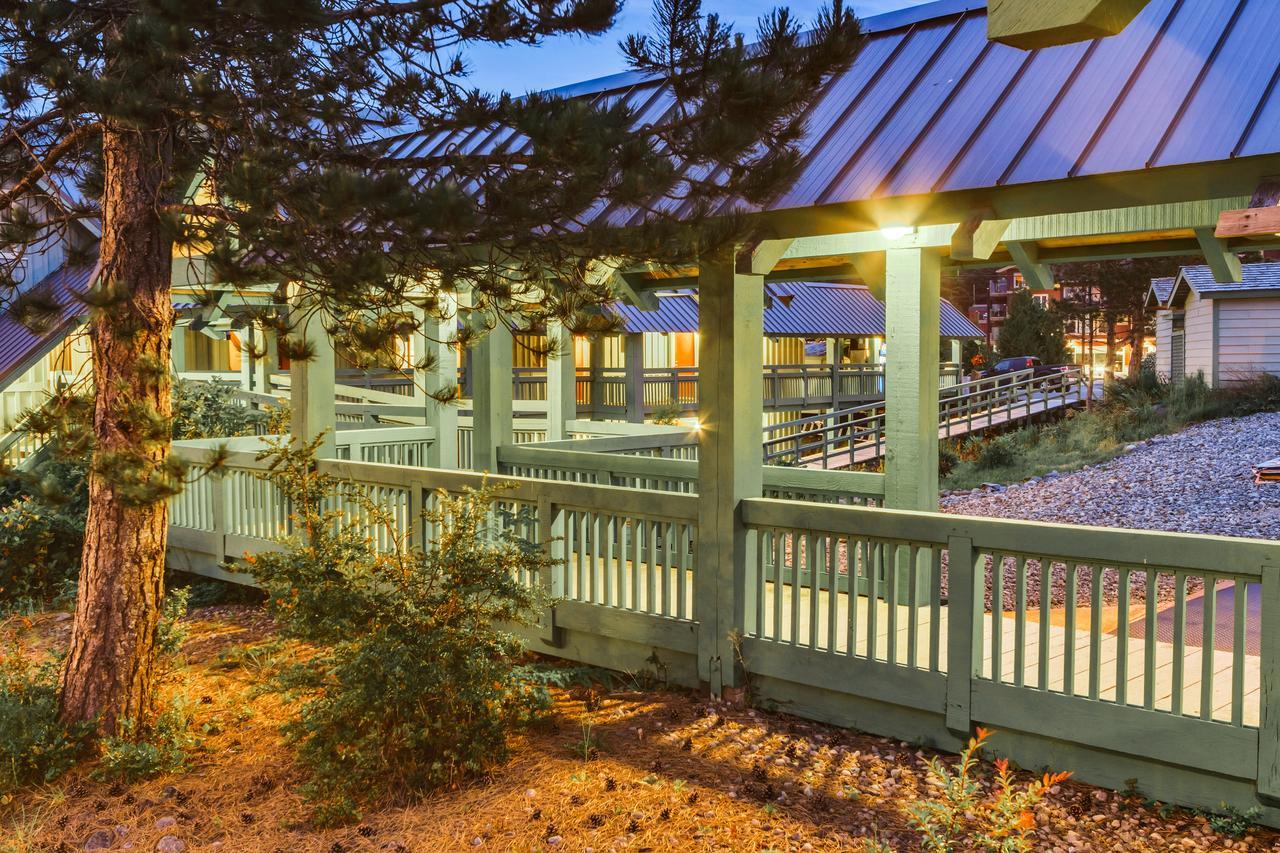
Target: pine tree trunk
x=108 y=671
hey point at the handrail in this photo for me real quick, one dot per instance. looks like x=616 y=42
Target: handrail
x=842 y=433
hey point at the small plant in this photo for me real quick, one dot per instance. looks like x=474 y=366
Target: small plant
x=999 y=819
x=35 y=746
x=1229 y=820
x=170 y=632
x=162 y=747
x=414 y=685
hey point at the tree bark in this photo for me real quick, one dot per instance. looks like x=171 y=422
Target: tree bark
x=108 y=672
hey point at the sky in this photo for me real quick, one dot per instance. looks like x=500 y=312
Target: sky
x=521 y=68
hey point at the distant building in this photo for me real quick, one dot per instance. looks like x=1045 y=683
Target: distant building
x=1224 y=332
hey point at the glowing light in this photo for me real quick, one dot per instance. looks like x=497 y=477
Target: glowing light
x=897 y=232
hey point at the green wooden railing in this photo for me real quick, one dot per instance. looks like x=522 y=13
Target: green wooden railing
x=909 y=624
x=856 y=435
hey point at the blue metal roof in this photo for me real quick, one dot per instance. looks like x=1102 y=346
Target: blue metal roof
x=20 y=347
x=931 y=106
x=796 y=309
x=1260 y=279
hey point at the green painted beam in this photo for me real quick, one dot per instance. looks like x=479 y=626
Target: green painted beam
x=491 y=361
x=1223 y=263
x=436 y=340
x=562 y=382
x=1033 y=24
x=1038 y=276
x=912 y=304
x=311 y=386
x=731 y=393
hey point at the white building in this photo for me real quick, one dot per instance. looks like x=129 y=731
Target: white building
x=1224 y=332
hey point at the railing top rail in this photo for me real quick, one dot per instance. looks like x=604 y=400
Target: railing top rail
x=1221 y=555
x=664 y=505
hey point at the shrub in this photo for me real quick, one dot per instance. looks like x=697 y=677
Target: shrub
x=210 y=410
x=999 y=452
x=162 y=747
x=413 y=687
x=42 y=529
x=997 y=819
x=35 y=746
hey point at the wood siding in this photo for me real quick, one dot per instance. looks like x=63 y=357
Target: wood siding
x=1248 y=338
x=1199 y=341
x=1164 y=333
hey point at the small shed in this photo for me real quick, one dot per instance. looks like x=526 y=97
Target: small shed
x=1226 y=332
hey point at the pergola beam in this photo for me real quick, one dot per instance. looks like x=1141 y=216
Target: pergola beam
x=1223 y=263
x=1037 y=275
x=1260 y=219
x=1032 y=24
x=977 y=237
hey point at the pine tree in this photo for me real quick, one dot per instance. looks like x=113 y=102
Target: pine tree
x=253 y=133
x=1031 y=330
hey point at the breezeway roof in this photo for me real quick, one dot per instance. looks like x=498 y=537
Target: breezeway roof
x=931 y=106
x=796 y=309
x=20 y=347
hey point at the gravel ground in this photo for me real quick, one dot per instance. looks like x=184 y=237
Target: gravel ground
x=1199 y=480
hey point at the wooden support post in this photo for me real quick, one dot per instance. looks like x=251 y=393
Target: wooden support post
x=491 y=362
x=731 y=322
x=913 y=284
x=1269 y=726
x=633 y=359
x=268 y=364
x=964 y=632
x=1223 y=263
x=437 y=345
x=562 y=382
x=595 y=363
x=311 y=382
x=178 y=350
x=247 y=346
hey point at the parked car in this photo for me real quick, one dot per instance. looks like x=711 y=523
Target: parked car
x=1024 y=362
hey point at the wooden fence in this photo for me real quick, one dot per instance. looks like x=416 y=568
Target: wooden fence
x=1115 y=654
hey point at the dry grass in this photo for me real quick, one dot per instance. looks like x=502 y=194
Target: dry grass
x=612 y=770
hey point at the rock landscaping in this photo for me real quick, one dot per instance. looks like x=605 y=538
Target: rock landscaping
x=1199 y=480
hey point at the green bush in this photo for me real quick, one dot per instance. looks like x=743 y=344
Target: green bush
x=42 y=531
x=414 y=686
x=163 y=747
x=210 y=410
x=35 y=746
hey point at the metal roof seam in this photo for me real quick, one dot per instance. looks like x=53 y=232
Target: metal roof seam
x=870 y=83
x=892 y=173
x=1257 y=112
x=890 y=113
x=1048 y=112
x=1134 y=74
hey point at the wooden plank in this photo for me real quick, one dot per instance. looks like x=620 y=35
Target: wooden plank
x=644 y=628
x=1250 y=222
x=964 y=633
x=913 y=688
x=1033 y=24
x=1083 y=543
x=1180 y=741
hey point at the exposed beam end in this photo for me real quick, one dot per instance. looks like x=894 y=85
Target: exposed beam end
x=1032 y=24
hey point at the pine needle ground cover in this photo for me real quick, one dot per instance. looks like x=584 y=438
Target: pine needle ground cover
x=618 y=766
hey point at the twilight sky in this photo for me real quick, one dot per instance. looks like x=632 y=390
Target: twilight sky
x=570 y=60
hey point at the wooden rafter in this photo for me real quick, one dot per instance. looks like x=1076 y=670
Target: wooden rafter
x=1032 y=24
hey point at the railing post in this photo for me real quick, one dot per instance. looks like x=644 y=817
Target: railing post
x=551 y=538
x=633 y=359
x=964 y=632
x=1269 y=662
x=562 y=381
x=311 y=382
x=731 y=322
x=491 y=402
x=218 y=510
